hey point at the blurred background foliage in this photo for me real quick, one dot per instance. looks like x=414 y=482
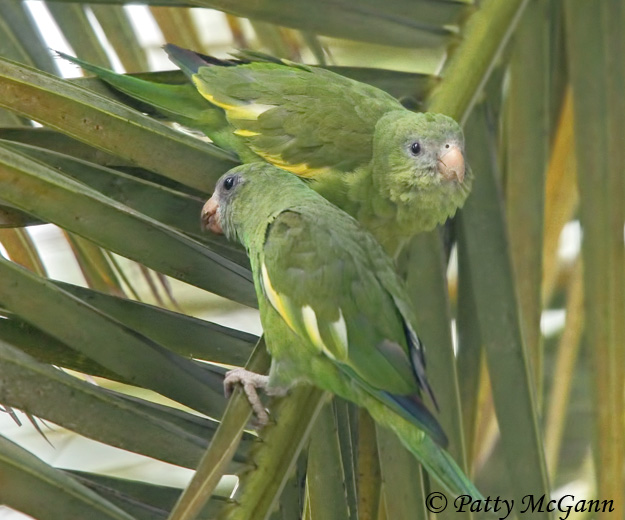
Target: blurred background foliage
x=118 y=317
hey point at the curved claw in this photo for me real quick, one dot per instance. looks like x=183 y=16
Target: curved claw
x=250 y=381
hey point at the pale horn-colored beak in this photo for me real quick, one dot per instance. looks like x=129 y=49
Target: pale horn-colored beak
x=451 y=163
x=210 y=216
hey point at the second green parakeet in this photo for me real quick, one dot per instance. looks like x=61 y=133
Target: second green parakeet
x=398 y=172
x=335 y=314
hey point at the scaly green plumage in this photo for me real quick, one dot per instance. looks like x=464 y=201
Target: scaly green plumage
x=334 y=312
x=351 y=140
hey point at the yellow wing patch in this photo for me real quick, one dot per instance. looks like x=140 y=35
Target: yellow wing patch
x=278 y=302
x=205 y=93
x=299 y=169
x=245 y=133
x=245 y=111
x=251 y=112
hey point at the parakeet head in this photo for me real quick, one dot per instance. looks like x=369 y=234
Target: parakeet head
x=247 y=196
x=420 y=157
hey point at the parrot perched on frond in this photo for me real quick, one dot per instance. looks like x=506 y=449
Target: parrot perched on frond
x=398 y=172
x=334 y=312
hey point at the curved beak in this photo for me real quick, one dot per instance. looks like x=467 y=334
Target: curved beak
x=210 y=216
x=451 y=163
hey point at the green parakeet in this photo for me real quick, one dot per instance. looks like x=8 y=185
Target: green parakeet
x=398 y=172
x=334 y=312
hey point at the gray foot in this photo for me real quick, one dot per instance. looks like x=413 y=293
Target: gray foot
x=250 y=381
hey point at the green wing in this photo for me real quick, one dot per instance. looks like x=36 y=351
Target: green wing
x=329 y=284
x=306 y=120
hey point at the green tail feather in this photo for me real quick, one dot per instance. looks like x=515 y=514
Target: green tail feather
x=180 y=102
x=433 y=457
x=442 y=466
x=409 y=424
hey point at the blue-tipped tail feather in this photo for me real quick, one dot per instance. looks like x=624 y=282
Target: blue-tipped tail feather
x=190 y=61
x=438 y=463
x=420 y=433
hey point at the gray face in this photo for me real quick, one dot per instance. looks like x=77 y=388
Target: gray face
x=213 y=209
x=442 y=156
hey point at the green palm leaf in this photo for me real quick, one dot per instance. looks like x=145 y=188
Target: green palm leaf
x=111 y=168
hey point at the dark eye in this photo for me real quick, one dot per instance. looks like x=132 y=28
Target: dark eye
x=415 y=148
x=229 y=182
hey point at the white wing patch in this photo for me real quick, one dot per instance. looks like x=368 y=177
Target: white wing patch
x=338 y=329
x=312 y=329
